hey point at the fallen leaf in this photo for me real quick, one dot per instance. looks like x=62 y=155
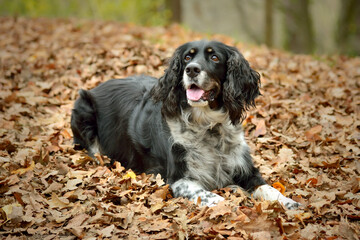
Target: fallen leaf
x=312 y=133
x=285 y=155
x=129 y=174
x=21 y=171
x=13 y=211
x=56 y=202
x=260 y=128
x=279 y=186
x=72 y=184
x=219 y=210
x=107 y=232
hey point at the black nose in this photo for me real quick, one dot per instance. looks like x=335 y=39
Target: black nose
x=193 y=69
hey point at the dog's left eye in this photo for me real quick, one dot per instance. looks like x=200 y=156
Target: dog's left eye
x=187 y=58
x=215 y=58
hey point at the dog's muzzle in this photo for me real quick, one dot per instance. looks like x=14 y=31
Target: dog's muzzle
x=197 y=97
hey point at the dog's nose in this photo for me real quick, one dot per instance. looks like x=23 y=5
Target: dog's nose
x=193 y=69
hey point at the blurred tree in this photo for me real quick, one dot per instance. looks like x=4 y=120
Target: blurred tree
x=175 y=9
x=348 y=30
x=299 y=36
x=269 y=22
x=244 y=16
x=301 y=26
x=149 y=12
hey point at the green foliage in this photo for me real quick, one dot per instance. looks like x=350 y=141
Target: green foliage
x=145 y=12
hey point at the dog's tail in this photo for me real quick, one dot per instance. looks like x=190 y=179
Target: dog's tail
x=83 y=121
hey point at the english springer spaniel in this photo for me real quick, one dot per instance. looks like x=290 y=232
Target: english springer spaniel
x=185 y=125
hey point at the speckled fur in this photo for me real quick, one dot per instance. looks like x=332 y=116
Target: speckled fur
x=214 y=147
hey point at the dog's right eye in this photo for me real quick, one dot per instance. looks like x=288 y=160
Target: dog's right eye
x=187 y=58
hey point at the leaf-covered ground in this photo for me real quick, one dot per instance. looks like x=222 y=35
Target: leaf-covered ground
x=304 y=133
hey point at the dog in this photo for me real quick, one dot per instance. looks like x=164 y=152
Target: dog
x=185 y=126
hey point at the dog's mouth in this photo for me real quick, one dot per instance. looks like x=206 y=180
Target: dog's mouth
x=199 y=97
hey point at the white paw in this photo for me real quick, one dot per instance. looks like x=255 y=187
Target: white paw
x=289 y=203
x=266 y=192
x=209 y=199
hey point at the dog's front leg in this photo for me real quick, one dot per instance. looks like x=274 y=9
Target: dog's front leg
x=193 y=191
x=254 y=184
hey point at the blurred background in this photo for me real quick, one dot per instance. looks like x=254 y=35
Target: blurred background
x=300 y=26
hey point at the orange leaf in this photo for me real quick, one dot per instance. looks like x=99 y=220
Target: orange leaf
x=24 y=170
x=312 y=181
x=279 y=187
x=65 y=133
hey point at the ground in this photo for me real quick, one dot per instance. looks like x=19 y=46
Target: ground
x=304 y=135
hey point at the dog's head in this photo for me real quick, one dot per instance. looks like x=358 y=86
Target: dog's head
x=208 y=74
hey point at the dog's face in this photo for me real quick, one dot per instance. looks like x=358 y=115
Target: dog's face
x=204 y=72
x=208 y=74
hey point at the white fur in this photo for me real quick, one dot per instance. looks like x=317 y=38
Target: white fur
x=201 y=80
x=95 y=147
x=266 y=192
x=194 y=191
x=214 y=146
x=200 y=103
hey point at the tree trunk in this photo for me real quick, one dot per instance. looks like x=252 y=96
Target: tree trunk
x=175 y=7
x=298 y=26
x=348 y=31
x=269 y=23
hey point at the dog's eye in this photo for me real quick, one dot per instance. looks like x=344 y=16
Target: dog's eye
x=215 y=58
x=187 y=58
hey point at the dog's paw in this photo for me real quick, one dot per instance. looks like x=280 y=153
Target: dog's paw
x=267 y=192
x=210 y=199
x=289 y=203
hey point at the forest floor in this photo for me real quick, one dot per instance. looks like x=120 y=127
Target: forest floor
x=304 y=135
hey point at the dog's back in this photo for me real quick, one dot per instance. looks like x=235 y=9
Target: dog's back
x=108 y=116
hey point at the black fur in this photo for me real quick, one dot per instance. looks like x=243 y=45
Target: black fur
x=241 y=86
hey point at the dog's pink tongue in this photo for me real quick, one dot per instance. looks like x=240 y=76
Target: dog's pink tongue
x=194 y=94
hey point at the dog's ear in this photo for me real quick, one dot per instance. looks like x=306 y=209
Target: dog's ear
x=169 y=88
x=241 y=86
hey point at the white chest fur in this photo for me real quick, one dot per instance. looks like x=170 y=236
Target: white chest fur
x=214 y=146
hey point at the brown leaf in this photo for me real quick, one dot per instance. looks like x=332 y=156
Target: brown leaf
x=56 y=202
x=107 y=232
x=220 y=210
x=156 y=225
x=312 y=133
x=72 y=184
x=285 y=155
x=260 y=128
x=13 y=212
x=261 y=235
x=21 y=171
x=8 y=146
x=77 y=221
x=162 y=192
x=55 y=186
x=347 y=230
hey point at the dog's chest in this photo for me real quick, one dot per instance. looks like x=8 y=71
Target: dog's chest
x=212 y=154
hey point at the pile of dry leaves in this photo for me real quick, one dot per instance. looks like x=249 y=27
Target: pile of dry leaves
x=305 y=136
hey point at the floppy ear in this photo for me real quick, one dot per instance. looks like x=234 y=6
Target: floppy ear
x=169 y=88
x=241 y=86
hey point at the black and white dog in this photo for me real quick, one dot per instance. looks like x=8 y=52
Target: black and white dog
x=185 y=126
